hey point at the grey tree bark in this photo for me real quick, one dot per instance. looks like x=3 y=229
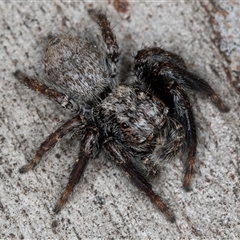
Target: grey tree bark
x=105 y=204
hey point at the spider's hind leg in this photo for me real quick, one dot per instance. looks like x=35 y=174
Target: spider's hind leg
x=109 y=38
x=50 y=93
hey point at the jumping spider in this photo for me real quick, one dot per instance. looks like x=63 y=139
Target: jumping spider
x=139 y=125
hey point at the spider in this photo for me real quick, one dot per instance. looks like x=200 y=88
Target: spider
x=139 y=125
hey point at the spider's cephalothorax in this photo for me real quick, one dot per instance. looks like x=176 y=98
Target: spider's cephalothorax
x=139 y=125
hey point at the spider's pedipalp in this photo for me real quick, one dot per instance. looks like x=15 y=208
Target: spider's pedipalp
x=175 y=141
x=74 y=123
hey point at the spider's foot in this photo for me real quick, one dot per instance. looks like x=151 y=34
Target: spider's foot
x=26 y=168
x=172 y=219
x=189 y=167
x=60 y=204
x=187 y=187
x=224 y=108
x=218 y=102
x=164 y=209
x=169 y=215
x=63 y=199
x=57 y=208
x=18 y=74
x=30 y=165
x=186 y=182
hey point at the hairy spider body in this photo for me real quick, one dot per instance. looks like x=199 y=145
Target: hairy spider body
x=139 y=125
x=139 y=122
x=77 y=68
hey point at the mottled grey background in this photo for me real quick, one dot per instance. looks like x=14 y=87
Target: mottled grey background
x=105 y=204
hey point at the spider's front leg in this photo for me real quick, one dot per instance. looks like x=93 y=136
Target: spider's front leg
x=74 y=123
x=157 y=67
x=188 y=80
x=50 y=93
x=122 y=159
x=184 y=115
x=168 y=78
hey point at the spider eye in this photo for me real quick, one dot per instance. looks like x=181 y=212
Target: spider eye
x=124 y=125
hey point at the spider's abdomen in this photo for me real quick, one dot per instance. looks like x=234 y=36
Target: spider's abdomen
x=76 y=68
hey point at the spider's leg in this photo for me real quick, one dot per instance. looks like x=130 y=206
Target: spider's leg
x=52 y=94
x=188 y=80
x=175 y=141
x=86 y=150
x=122 y=159
x=184 y=115
x=107 y=34
x=76 y=122
x=151 y=55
